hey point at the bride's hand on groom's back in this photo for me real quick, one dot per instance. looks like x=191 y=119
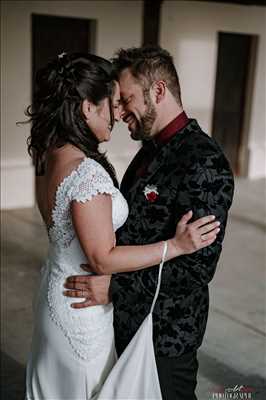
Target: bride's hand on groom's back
x=93 y=289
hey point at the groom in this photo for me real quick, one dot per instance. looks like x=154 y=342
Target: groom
x=178 y=168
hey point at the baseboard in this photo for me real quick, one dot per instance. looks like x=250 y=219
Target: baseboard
x=17 y=185
x=257 y=160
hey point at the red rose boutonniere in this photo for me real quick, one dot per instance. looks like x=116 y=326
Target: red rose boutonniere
x=151 y=193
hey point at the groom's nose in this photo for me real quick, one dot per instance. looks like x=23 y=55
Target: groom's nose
x=123 y=113
x=123 y=110
x=117 y=114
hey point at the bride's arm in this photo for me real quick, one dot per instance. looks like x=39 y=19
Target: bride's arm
x=92 y=221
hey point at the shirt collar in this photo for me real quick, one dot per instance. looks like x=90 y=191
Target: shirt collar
x=171 y=129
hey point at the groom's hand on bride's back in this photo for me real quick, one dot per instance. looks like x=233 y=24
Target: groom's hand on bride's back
x=92 y=289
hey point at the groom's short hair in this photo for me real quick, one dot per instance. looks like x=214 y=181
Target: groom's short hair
x=147 y=65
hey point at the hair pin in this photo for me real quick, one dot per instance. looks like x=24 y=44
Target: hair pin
x=62 y=55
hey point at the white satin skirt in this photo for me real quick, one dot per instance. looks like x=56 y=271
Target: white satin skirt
x=55 y=371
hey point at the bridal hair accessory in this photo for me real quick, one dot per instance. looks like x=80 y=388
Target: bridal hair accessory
x=151 y=193
x=64 y=70
x=62 y=54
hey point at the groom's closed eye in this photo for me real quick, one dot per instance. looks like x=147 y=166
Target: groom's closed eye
x=127 y=100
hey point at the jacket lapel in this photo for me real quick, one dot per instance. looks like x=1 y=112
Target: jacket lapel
x=129 y=176
x=160 y=161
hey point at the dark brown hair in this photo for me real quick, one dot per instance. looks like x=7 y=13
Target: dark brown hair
x=147 y=65
x=56 y=115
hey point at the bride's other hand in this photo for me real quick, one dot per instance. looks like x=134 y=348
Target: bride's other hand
x=93 y=289
x=190 y=237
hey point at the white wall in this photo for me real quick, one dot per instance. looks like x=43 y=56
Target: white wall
x=119 y=25
x=189 y=32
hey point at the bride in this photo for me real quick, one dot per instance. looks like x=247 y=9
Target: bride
x=75 y=106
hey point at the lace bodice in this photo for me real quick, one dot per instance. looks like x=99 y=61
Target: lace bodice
x=85 y=329
x=86 y=181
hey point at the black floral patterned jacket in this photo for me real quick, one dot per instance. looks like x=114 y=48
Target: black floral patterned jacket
x=190 y=172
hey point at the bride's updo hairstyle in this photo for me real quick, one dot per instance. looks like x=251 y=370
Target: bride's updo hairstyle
x=56 y=113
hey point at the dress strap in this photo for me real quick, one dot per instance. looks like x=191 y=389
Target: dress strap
x=159 y=276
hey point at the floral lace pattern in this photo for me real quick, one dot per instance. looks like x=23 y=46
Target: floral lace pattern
x=85 y=329
x=88 y=180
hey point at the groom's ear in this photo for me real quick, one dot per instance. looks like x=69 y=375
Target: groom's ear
x=158 y=90
x=88 y=108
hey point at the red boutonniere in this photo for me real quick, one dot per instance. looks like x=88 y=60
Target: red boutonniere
x=151 y=193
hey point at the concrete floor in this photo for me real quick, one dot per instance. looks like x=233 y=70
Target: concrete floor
x=234 y=349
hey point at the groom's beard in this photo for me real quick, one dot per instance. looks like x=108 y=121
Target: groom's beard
x=142 y=131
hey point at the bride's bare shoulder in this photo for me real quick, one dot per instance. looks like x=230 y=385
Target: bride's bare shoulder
x=61 y=161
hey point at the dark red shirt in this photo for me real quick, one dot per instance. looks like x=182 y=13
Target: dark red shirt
x=161 y=139
x=172 y=129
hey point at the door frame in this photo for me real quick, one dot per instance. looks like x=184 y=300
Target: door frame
x=242 y=158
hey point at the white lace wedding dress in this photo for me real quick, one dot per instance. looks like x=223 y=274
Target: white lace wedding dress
x=72 y=350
